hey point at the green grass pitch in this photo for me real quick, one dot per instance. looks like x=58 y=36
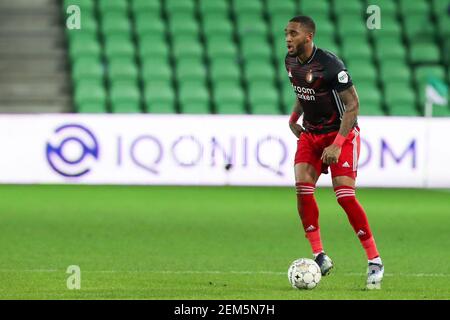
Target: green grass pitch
x=213 y=243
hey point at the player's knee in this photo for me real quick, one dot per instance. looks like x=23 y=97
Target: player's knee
x=304 y=190
x=345 y=195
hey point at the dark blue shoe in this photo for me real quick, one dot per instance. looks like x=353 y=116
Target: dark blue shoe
x=324 y=263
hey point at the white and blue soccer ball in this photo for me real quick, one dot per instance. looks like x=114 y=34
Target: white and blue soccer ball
x=304 y=273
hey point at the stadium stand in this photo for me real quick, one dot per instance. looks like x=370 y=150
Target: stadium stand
x=33 y=58
x=227 y=56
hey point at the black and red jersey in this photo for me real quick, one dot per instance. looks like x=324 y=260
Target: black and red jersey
x=316 y=83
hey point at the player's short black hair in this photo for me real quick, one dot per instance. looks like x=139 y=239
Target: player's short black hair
x=306 y=22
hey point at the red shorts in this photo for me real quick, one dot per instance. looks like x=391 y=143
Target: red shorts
x=310 y=148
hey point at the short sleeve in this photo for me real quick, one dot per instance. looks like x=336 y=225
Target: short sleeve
x=338 y=76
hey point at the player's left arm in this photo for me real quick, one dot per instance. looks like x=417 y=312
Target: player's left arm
x=351 y=102
x=349 y=97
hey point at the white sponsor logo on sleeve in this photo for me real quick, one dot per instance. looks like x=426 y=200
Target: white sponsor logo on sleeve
x=343 y=77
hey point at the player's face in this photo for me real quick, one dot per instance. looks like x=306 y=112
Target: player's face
x=297 y=38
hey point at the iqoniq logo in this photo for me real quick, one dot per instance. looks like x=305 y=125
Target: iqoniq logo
x=72 y=150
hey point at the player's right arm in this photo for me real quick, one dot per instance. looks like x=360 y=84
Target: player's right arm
x=296 y=113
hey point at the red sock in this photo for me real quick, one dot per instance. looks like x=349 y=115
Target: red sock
x=309 y=214
x=346 y=197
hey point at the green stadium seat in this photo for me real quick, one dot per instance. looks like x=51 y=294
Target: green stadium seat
x=183 y=23
x=362 y=71
x=217 y=49
x=418 y=29
x=445 y=48
x=115 y=22
x=441 y=111
x=221 y=46
x=255 y=47
x=187 y=46
x=350 y=26
x=390 y=50
x=403 y=108
x=251 y=23
x=321 y=18
x=282 y=73
x=119 y=45
x=125 y=97
x=252 y=6
x=424 y=53
x=369 y=100
x=369 y=105
x=349 y=7
x=194 y=98
x=226 y=107
x=287 y=94
x=146 y=6
x=283 y=7
x=156 y=69
x=84 y=45
x=122 y=69
x=216 y=24
x=225 y=69
x=213 y=6
x=389 y=20
x=443 y=23
x=325 y=41
x=146 y=40
x=90 y=107
x=176 y=6
x=394 y=71
x=152 y=44
x=383 y=38
x=146 y=24
x=190 y=69
x=413 y=7
x=280 y=49
x=332 y=47
x=439 y=6
x=90 y=97
x=215 y=15
x=359 y=62
x=87 y=68
x=440 y=10
x=388 y=30
x=257 y=70
x=159 y=97
x=400 y=99
x=112 y=5
x=325 y=28
x=229 y=98
x=263 y=98
x=153 y=49
x=352 y=52
x=314 y=7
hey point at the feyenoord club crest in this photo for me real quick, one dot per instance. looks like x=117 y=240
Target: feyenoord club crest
x=309 y=76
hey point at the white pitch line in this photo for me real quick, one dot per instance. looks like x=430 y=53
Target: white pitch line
x=350 y=274
x=30 y=270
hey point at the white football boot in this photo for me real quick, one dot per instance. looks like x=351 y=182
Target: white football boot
x=375 y=273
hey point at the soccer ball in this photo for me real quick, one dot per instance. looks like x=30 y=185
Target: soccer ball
x=304 y=273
